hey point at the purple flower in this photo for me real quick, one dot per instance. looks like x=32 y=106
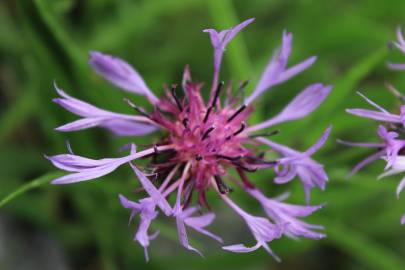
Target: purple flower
x=202 y=142
x=262 y=229
x=219 y=41
x=400 y=45
x=299 y=164
x=146 y=209
x=286 y=216
x=391 y=146
x=381 y=115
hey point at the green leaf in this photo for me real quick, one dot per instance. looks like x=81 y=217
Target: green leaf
x=45 y=179
x=365 y=250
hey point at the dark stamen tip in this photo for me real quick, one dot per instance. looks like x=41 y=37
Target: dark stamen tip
x=198 y=157
x=155 y=149
x=238 y=111
x=222 y=186
x=185 y=122
x=217 y=91
x=207 y=114
x=207 y=132
x=242 y=127
x=176 y=99
x=136 y=108
x=265 y=134
x=229 y=158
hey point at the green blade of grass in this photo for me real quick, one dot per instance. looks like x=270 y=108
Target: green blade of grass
x=363 y=249
x=42 y=180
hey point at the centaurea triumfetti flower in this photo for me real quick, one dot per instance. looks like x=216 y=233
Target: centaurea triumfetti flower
x=391 y=146
x=203 y=141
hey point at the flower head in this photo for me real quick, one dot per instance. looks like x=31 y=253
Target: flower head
x=203 y=141
x=391 y=147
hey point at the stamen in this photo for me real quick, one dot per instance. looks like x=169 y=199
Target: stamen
x=222 y=186
x=395 y=92
x=242 y=127
x=185 y=122
x=244 y=178
x=202 y=199
x=207 y=114
x=173 y=91
x=214 y=102
x=188 y=194
x=136 y=108
x=265 y=134
x=207 y=132
x=155 y=149
x=217 y=91
x=241 y=108
x=229 y=158
x=243 y=167
x=198 y=157
x=258 y=160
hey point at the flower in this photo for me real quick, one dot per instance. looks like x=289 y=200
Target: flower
x=203 y=141
x=400 y=45
x=286 y=215
x=390 y=149
x=299 y=164
x=146 y=209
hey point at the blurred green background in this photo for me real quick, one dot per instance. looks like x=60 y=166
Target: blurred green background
x=82 y=226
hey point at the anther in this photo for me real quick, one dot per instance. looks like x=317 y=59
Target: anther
x=185 y=122
x=136 y=108
x=207 y=114
x=395 y=92
x=214 y=102
x=242 y=127
x=198 y=157
x=173 y=91
x=238 y=111
x=265 y=134
x=207 y=132
x=222 y=186
x=155 y=149
x=217 y=91
x=229 y=158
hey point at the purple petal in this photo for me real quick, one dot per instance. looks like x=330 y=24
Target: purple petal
x=276 y=71
x=153 y=192
x=294 y=70
x=394 y=66
x=400 y=186
x=181 y=230
x=219 y=42
x=120 y=124
x=121 y=74
x=366 y=161
x=302 y=105
x=379 y=116
x=361 y=144
x=372 y=103
x=74 y=163
x=124 y=127
x=403 y=220
x=88 y=174
x=240 y=248
x=198 y=224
